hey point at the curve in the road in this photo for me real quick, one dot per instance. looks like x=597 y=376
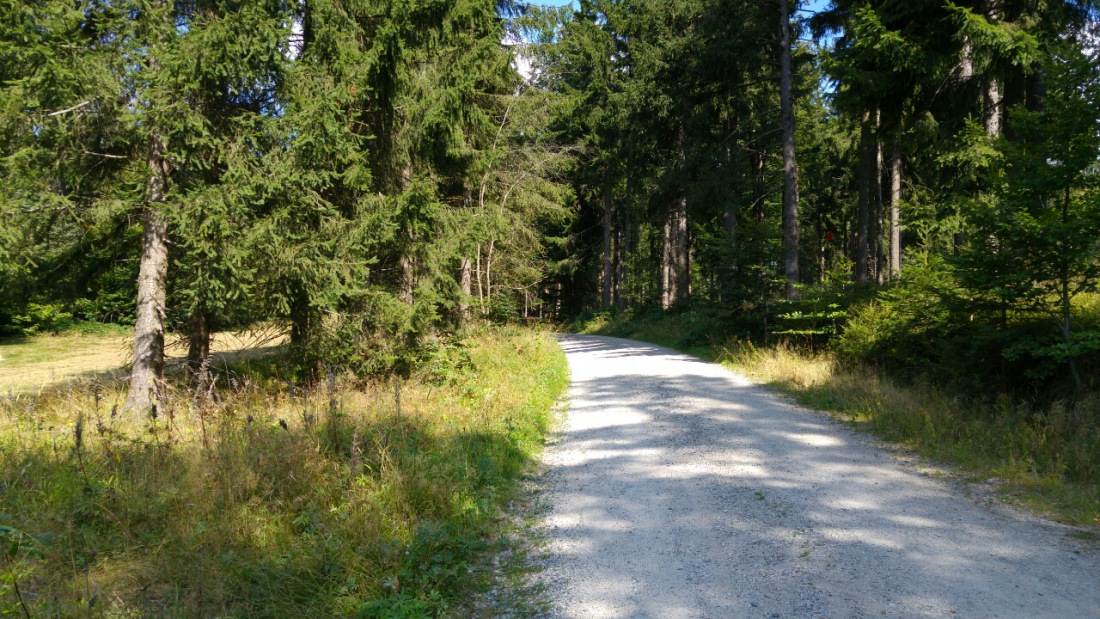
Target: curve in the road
x=682 y=490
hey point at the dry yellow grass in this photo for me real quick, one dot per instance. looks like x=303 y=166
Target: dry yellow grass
x=271 y=497
x=1044 y=458
x=28 y=365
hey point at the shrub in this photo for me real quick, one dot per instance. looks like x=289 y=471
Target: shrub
x=38 y=318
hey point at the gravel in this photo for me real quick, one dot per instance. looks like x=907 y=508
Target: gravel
x=679 y=489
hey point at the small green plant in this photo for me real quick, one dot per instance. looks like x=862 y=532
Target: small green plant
x=815 y=318
x=16 y=546
x=44 y=318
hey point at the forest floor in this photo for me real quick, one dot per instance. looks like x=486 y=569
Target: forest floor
x=680 y=489
x=29 y=364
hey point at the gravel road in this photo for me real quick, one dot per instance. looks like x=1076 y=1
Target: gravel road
x=679 y=489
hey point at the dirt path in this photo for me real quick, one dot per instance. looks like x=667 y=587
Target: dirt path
x=681 y=490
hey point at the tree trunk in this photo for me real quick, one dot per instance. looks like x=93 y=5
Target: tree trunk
x=301 y=320
x=407 y=260
x=878 y=260
x=666 y=262
x=624 y=265
x=821 y=264
x=993 y=107
x=607 y=238
x=307 y=27
x=617 y=265
x=477 y=276
x=757 y=186
x=993 y=88
x=790 y=170
x=464 y=285
x=147 y=372
x=728 y=283
x=682 y=257
x=198 y=343
x=729 y=270
x=895 y=210
x=489 y=273
x=865 y=165
x=681 y=246
x=966 y=62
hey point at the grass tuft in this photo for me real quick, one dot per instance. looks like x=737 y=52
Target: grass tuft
x=1048 y=459
x=264 y=498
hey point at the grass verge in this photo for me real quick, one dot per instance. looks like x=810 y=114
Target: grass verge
x=266 y=498
x=31 y=364
x=1047 y=460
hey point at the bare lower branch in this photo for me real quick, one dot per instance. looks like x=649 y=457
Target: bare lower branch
x=105 y=155
x=70 y=109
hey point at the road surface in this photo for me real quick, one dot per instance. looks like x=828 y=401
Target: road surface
x=679 y=489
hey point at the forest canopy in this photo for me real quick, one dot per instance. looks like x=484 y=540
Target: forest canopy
x=914 y=183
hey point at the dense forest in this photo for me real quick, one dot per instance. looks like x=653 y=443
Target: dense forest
x=888 y=209
x=921 y=178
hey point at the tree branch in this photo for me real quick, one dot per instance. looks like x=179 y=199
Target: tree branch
x=73 y=108
x=105 y=155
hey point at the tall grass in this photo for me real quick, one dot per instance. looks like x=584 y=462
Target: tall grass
x=1048 y=458
x=260 y=497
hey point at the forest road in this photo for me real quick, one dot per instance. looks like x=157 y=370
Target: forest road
x=679 y=489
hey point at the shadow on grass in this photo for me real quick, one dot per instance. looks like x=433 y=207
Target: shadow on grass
x=253 y=513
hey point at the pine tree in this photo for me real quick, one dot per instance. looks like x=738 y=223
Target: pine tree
x=1035 y=247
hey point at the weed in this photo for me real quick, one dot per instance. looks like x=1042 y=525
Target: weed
x=262 y=498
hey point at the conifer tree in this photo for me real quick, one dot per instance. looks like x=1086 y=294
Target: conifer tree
x=1031 y=250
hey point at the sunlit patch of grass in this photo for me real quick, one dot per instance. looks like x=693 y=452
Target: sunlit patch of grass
x=36 y=363
x=270 y=498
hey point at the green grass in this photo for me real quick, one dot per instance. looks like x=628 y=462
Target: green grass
x=1046 y=459
x=270 y=499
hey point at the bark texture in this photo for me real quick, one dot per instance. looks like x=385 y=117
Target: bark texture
x=895 y=211
x=464 y=281
x=667 y=295
x=790 y=169
x=607 y=206
x=866 y=163
x=682 y=257
x=147 y=372
x=198 y=343
x=407 y=261
x=993 y=108
x=993 y=87
x=878 y=258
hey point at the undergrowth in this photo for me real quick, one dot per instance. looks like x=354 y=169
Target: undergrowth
x=262 y=497
x=1046 y=456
